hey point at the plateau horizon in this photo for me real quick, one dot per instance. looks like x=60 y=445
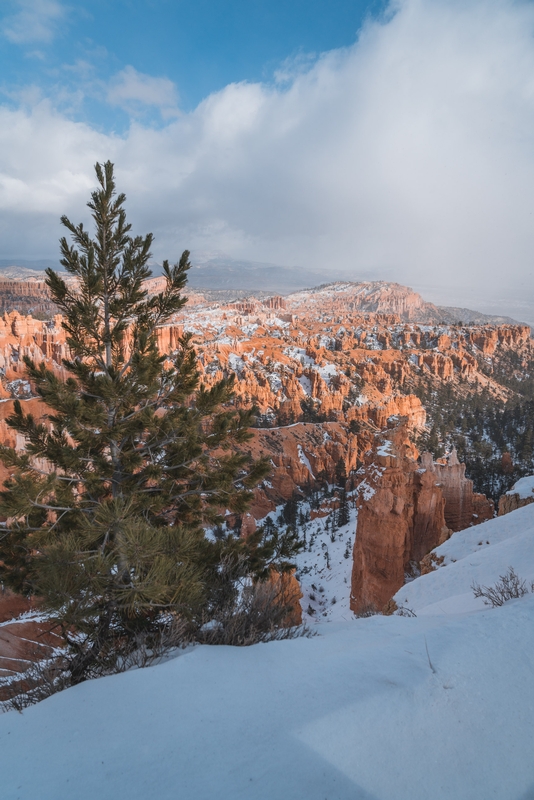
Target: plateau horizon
x=226 y=279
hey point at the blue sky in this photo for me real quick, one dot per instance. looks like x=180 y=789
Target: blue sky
x=71 y=51
x=391 y=139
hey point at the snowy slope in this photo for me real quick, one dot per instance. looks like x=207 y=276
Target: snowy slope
x=324 y=568
x=438 y=707
x=480 y=554
x=524 y=487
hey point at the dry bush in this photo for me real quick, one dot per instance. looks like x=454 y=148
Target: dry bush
x=45 y=677
x=151 y=648
x=258 y=613
x=247 y=613
x=369 y=610
x=41 y=680
x=392 y=608
x=404 y=611
x=508 y=587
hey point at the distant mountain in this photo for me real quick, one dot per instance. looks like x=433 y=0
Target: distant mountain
x=211 y=271
x=34 y=265
x=453 y=315
x=221 y=279
x=13 y=272
x=386 y=297
x=218 y=271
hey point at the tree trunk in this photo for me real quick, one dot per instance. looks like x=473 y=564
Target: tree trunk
x=84 y=660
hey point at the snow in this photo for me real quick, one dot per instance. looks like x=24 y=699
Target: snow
x=383 y=708
x=326 y=372
x=324 y=569
x=303 y=458
x=479 y=554
x=385 y=449
x=236 y=363
x=524 y=487
x=299 y=354
x=275 y=382
x=306 y=384
x=366 y=491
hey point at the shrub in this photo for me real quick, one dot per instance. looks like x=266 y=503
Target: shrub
x=508 y=587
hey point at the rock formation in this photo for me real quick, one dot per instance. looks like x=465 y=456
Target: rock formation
x=404 y=511
x=22 y=640
x=328 y=369
x=286 y=589
x=521 y=494
x=463 y=507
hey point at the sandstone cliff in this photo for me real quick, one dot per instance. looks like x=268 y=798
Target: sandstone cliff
x=521 y=494
x=463 y=507
x=405 y=509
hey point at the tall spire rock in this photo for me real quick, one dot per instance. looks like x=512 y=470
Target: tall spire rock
x=405 y=509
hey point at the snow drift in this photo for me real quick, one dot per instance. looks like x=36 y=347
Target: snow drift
x=385 y=708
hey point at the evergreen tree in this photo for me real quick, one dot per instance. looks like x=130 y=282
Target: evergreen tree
x=290 y=510
x=343 y=513
x=341 y=474
x=106 y=504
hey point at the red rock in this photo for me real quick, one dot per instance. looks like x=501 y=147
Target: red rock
x=400 y=519
x=405 y=510
x=462 y=507
x=287 y=589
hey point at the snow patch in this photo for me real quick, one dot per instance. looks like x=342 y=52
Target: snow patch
x=524 y=487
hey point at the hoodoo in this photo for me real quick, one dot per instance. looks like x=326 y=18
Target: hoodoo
x=405 y=509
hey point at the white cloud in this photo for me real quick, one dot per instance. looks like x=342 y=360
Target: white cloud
x=408 y=156
x=133 y=91
x=36 y=21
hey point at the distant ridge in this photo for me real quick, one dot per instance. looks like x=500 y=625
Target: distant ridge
x=223 y=279
x=467 y=315
x=221 y=272
x=34 y=265
x=16 y=273
x=385 y=297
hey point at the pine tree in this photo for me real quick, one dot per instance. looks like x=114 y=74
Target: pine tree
x=106 y=504
x=343 y=514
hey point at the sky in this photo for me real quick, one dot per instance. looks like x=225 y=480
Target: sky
x=390 y=139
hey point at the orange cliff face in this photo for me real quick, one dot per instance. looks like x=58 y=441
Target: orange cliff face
x=337 y=354
x=301 y=455
x=405 y=509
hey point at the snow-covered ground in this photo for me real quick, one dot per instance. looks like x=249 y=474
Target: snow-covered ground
x=436 y=707
x=324 y=567
x=477 y=555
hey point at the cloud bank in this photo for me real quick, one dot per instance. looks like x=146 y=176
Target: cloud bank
x=408 y=156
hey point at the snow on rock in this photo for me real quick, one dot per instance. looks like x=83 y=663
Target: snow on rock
x=521 y=494
x=327 y=372
x=386 y=449
x=303 y=458
x=324 y=569
x=306 y=384
x=236 y=363
x=524 y=487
